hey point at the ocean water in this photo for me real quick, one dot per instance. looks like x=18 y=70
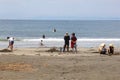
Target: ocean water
x=90 y=33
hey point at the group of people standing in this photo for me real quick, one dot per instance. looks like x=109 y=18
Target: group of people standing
x=73 y=39
x=67 y=39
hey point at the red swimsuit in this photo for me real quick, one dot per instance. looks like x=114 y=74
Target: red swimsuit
x=73 y=41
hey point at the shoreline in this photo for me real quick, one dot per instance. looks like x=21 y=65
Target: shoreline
x=45 y=51
x=54 y=51
x=82 y=42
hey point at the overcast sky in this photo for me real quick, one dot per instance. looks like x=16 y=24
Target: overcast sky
x=60 y=9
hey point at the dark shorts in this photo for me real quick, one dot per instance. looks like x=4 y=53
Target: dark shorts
x=67 y=44
x=12 y=42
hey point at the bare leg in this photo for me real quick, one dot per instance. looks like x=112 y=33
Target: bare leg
x=11 y=47
x=67 y=48
x=76 y=48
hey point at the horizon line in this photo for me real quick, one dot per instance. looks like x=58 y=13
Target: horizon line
x=61 y=19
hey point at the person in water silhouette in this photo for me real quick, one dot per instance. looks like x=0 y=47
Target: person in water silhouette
x=43 y=36
x=54 y=30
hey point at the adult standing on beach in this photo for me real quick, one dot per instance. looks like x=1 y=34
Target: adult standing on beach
x=73 y=42
x=66 y=39
x=11 y=42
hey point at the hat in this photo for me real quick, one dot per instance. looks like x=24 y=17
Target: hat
x=66 y=33
x=103 y=44
x=73 y=33
x=111 y=45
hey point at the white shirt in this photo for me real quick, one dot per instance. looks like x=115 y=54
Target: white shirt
x=11 y=39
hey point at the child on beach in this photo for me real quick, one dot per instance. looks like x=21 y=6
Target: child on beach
x=73 y=42
x=102 y=48
x=41 y=43
x=111 y=49
x=11 y=42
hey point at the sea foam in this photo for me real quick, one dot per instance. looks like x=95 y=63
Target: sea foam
x=79 y=39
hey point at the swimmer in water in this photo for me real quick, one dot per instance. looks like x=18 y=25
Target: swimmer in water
x=54 y=30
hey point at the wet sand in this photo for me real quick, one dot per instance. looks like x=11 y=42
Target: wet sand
x=37 y=64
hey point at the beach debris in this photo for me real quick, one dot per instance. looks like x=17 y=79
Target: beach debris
x=53 y=49
x=15 y=67
x=5 y=50
x=95 y=52
x=38 y=54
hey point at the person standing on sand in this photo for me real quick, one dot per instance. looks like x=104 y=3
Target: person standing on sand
x=11 y=42
x=73 y=42
x=66 y=39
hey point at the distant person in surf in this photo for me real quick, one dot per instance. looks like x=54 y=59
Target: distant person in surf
x=73 y=42
x=54 y=30
x=43 y=36
x=66 y=40
x=11 y=42
x=41 y=43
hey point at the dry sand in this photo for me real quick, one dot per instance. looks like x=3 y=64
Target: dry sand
x=37 y=64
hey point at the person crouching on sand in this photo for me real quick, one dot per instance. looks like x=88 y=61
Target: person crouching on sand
x=102 y=48
x=111 y=49
x=11 y=42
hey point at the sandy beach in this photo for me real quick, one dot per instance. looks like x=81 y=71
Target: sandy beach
x=40 y=64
